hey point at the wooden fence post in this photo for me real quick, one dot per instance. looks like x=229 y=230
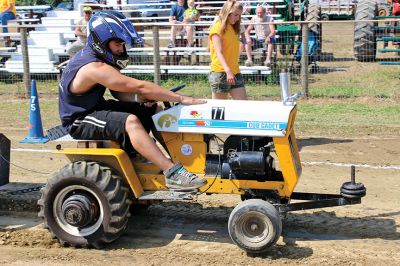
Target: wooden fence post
x=25 y=61
x=304 y=59
x=156 y=57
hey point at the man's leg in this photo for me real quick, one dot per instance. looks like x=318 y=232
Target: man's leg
x=189 y=31
x=4 y=22
x=118 y=126
x=143 y=144
x=74 y=48
x=177 y=177
x=270 y=49
x=174 y=30
x=248 y=53
x=5 y=17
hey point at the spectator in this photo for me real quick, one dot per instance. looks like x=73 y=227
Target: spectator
x=265 y=34
x=225 y=77
x=87 y=115
x=80 y=32
x=191 y=15
x=7 y=12
x=176 y=17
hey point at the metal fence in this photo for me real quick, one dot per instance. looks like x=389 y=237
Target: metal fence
x=334 y=60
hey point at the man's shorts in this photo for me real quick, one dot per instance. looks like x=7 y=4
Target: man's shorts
x=219 y=84
x=257 y=44
x=107 y=122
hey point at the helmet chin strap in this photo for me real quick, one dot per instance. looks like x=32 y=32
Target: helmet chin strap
x=122 y=63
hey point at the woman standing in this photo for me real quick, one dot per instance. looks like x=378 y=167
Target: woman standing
x=225 y=74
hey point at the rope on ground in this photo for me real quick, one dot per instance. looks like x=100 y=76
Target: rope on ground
x=20 y=167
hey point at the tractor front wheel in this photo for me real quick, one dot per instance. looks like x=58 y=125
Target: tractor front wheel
x=85 y=204
x=255 y=225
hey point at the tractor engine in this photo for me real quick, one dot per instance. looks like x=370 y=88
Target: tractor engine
x=244 y=157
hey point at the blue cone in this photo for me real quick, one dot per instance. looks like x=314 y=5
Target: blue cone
x=35 y=134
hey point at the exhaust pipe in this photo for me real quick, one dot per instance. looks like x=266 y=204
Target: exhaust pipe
x=284 y=80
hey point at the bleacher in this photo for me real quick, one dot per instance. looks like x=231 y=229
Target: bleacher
x=48 y=40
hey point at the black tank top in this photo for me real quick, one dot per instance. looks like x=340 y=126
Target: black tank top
x=72 y=106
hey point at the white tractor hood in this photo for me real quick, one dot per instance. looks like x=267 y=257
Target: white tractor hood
x=251 y=118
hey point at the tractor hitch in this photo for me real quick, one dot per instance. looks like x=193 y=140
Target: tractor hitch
x=350 y=193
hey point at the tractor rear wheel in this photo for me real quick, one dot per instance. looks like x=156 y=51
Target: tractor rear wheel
x=314 y=18
x=255 y=225
x=85 y=204
x=364 y=32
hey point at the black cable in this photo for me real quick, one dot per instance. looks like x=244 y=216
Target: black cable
x=219 y=165
x=215 y=136
x=26 y=169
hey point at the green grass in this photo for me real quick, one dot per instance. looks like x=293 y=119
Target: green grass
x=349 y=118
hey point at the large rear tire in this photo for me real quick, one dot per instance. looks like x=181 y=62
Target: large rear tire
x=255 y=225
x=364 y=32
x=314 y=18
x=85 y=205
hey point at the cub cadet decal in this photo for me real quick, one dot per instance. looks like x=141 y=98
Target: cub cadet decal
x=165 y=121
x=250 y=125
x=218 y=113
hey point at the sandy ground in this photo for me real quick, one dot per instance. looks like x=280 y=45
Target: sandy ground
x=195 y=233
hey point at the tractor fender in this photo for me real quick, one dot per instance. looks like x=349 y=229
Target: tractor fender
x=113 y=157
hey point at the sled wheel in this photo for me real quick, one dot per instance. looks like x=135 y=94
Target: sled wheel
x=255 y=225
x=85 y=205
x=364 y=32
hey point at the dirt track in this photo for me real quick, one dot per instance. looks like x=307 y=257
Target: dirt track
x=196 y=233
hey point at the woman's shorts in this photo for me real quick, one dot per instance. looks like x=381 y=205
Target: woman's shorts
x=219 y=84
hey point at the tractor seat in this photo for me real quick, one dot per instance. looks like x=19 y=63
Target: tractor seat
x=59 y=133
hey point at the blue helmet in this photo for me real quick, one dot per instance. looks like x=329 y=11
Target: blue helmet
x=108 y=25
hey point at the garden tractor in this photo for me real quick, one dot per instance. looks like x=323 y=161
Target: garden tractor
x=368 y=33
x=247 y=148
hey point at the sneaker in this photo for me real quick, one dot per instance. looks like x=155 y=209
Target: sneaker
x=177 y=177
x=171 y=44
x=267 y=63
x=248 y=63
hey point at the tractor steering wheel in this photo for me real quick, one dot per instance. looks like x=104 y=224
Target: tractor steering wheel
x=167 y=105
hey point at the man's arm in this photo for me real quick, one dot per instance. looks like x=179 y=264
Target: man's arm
x=271 y=32
x=272 y=29
x=9 y=7
x=248 y=30
x=101 y=73
x=172 y=15
x=124 y=96
x=78 y=31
